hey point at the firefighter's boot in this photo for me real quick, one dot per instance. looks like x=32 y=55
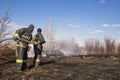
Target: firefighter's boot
x=36 y=61
x=19 y=67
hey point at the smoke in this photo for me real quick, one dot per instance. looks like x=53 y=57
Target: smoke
x=67 y=45
x=61 y=47
x=64 y=46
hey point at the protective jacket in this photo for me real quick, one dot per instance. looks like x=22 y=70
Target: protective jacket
x=39 y=39
x=24 y=34
x=22 y=47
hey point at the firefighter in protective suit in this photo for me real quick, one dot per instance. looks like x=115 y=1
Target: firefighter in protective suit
x=39 y=39
x=22 y=47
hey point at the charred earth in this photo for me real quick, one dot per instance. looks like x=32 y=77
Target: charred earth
x=92 y=67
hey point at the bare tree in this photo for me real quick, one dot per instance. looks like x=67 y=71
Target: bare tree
x=118 y=48
x=110 y=46
x=4 y=21
x=94 y=46
x=89 y=44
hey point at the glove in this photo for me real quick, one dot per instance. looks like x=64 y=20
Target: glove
x=35 y=42
x=39 y=42
x=43 y=42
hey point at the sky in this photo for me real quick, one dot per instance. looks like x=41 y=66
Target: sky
x=81 y=19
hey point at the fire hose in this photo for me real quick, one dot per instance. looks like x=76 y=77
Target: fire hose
x=30 y=42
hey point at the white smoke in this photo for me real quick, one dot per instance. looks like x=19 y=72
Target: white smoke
x=63 y=46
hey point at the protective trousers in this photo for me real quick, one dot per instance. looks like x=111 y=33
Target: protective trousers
x=38 y=55
x=21 y=57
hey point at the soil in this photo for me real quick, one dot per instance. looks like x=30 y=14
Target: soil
x=90 y=67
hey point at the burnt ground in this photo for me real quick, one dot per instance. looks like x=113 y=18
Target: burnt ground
x=63 y=68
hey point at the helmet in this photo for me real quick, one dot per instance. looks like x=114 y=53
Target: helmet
x=39 y=30
x=31 y=28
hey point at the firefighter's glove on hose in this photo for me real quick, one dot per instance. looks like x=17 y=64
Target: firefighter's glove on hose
x=35 y=42
x=39 y=42
x=16 y=36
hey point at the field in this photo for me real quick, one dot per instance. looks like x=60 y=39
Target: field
x=90 y=67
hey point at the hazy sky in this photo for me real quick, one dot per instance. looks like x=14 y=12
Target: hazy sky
x=79 y=18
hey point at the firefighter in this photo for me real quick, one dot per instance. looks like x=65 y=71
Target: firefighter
x=38 y=47
x=22 y=47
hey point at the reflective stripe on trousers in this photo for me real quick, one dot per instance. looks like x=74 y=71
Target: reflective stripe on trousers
x=21 y=61
x=37 y=60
